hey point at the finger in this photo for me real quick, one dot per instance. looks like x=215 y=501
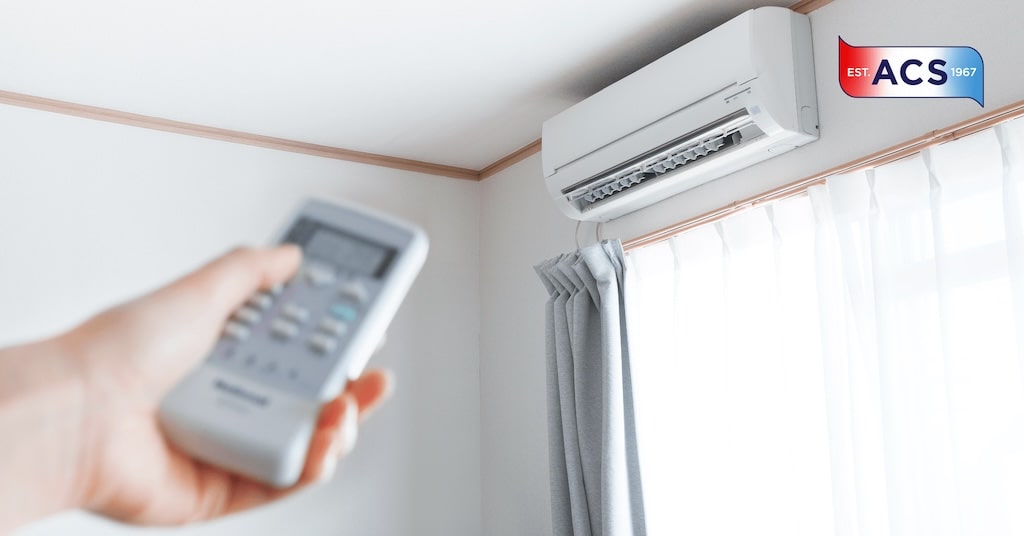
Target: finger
x=371 y=390
x=230 y=279
x=337 y=426
x=332 y=440
x=332 y=413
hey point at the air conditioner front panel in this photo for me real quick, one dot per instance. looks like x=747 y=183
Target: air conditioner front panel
x=591 y=151
x=656 y=134
x=693 y=72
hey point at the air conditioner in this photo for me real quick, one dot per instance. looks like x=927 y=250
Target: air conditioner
x=740 y=94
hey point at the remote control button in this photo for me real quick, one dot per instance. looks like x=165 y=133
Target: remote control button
x=319 y=275
x=284 y=329
x=344 y=312
x=261 y=301
x=353 y=290
x=276 y=290
x=236 y=331
x=295 y=313
x=247 y=315
x=333 y=327
x=323 y=344
x=269 y=367
x=293 y=374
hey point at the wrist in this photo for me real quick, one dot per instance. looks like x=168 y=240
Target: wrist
x=42 y=401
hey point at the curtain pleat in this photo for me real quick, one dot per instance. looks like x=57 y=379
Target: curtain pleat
x=595 y=473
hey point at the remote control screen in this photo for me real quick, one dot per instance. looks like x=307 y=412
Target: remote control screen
x=358 y=256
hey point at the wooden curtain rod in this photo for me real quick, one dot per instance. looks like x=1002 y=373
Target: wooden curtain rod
x=885 y=156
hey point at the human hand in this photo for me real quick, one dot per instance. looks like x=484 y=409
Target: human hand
x=104 y=449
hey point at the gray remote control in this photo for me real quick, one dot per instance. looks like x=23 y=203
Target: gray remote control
x=252 y=406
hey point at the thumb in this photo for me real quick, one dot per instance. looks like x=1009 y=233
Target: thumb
x=165 y=333
x=230 y=279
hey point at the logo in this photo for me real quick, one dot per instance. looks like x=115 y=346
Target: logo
x=248 y=396
x=912 y=72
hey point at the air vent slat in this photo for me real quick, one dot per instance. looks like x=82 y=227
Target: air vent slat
x=677 y=155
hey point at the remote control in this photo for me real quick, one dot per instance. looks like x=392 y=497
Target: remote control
x=251 y=407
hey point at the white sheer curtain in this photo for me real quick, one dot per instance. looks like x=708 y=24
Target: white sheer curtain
x=848 y=363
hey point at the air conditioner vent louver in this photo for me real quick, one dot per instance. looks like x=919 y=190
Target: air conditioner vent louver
x=710 y=140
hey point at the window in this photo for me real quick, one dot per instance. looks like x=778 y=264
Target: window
x=845 y=362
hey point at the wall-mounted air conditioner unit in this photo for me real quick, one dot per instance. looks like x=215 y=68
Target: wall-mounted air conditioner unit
x=740 y=94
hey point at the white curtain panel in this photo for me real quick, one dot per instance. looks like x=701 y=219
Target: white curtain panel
x=850 y=362
x=595 y=471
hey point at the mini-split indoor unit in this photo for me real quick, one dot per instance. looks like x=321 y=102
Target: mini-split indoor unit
x=738 y=95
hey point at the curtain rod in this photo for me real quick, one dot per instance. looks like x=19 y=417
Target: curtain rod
x=896 y=152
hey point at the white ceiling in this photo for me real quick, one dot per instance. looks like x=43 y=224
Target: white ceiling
x=454 y=82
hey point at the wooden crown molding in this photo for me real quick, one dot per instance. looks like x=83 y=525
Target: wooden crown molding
x=234 y=136
x=531 y=149
x=282 y=144
x=807 y=6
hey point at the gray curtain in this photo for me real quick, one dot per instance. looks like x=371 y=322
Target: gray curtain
x=595 y=475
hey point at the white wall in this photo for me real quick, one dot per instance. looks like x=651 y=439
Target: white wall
x=520 y=226
x=93 y=213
